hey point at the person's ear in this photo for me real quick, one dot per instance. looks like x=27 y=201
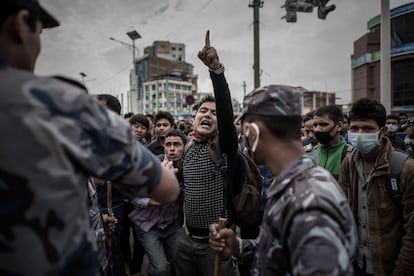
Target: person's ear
x=21 y=25
x=249 y=131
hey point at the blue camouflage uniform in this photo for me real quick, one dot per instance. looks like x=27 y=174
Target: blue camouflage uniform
x=54 y=136
x=308 y=228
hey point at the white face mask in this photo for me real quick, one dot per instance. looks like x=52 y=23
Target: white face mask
x=364 y=142
x=392 y=128
x=256 y=141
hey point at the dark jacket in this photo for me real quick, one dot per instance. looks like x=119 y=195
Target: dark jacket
x=155 y=147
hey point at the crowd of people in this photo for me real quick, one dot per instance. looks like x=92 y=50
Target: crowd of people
x=87 y=192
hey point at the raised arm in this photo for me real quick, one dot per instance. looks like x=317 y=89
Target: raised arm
x=226 y=129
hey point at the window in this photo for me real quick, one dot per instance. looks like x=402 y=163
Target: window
x=403 y=82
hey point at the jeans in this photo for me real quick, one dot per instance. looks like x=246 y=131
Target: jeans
x=159 y=244
x=197 y=258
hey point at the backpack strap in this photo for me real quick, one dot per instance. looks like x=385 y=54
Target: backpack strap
x=393 y=184
x=221 y=166
x=346 y=150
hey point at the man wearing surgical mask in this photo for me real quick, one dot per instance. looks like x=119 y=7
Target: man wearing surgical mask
x=392 y=127
x=385 y=229
x=332 y=148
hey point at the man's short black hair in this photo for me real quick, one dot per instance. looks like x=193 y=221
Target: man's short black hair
x=368 y=109
x=333 y=112
x=139 y=119
x=164 y=115
x=177 y=133
x=128 y=115
x=111 y=102
x=205 y=99
x=308 y=116
x=281 y=127
x=403 y=114
x=393 y=117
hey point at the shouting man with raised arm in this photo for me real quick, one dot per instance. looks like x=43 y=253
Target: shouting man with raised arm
x=203 y=181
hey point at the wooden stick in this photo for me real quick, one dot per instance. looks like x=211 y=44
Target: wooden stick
x=217 y=258
x=110 y=213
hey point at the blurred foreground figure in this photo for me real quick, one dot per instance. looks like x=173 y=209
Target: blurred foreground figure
x=55 y=136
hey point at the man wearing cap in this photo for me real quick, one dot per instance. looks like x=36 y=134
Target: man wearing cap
x=307 y=229
x=54 y=137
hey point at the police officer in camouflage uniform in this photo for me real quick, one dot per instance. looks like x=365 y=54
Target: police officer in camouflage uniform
x=308 y=228
x=54 y=136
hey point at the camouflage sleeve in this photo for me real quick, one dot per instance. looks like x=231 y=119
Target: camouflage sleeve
x=91 y=137
x=316 y=246
x=114 y=154
x=248 y=251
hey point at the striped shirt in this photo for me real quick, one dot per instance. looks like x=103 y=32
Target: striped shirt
x=203 y=187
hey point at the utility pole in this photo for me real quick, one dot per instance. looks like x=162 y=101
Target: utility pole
x=385 y=68
x=244 y=89
x=256 y=4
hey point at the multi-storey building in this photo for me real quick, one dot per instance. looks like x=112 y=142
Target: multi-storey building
x=164 y=79
x=312 y=100
x=366 y=60
x=168 y=94
x=167 y=50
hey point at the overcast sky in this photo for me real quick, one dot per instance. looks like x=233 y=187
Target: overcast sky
x=311 y=53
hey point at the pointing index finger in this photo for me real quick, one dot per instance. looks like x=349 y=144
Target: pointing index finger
x=208 y=39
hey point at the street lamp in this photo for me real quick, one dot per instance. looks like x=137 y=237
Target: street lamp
x=130 y=47
x=133 y=35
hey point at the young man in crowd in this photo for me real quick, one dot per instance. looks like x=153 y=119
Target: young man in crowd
x=308 y=228
x=310 y=140
x=57 y=136
x=385 y=226
x=202 y=180
x=140 y=127
x=392 y=127
x=164 y=122
x=402 y=122
x=332 y=148
x=156 y=224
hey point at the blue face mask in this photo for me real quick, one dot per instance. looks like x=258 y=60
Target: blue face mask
x=364 y=142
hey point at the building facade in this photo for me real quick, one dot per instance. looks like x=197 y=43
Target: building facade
x=167 y=94
x=312 y=100
x=366 y=60
x=163 y=79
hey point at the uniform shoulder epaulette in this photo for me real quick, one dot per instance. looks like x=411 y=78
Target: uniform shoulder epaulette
x=72 y=81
